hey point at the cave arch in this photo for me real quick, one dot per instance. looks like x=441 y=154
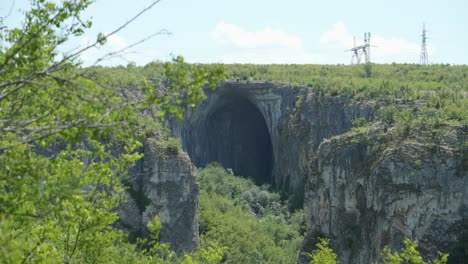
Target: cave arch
x=238 y=138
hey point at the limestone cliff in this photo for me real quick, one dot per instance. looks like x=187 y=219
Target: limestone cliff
x=373 y=188
x=264 y=130
x=163 y=183
x=365 y=190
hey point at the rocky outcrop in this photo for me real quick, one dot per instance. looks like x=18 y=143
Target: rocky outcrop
x=364 y=189
x=373 y=188
x=163 y=184
x=296 y=121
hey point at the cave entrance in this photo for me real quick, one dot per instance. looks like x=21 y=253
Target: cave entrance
x=238 y=138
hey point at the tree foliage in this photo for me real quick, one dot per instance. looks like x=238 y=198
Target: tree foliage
x=68 y=136
x=251 y=221
x=323 y=254
x=409 y=254
x=67 y=141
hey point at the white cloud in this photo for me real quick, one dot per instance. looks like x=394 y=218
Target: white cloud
x=394 y=46
x=386 y=49
x=114 y=44
x=339 y=34
x=232 y=34
x=261 y=47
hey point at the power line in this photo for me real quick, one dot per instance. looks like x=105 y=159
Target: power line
x=424 y=58
x=2 y=27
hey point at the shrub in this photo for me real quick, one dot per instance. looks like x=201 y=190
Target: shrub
x=404 y=122
x=170 y=146
x=360 y=122
x=388 y=115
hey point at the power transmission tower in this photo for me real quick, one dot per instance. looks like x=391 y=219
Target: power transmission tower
x=366 y=47
x=356 y=56
x=424 y=58
x=361 y=50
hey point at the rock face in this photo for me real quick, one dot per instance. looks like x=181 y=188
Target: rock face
x=368 y=190
x=362 y=192
x=285 y=124
x=163 y=184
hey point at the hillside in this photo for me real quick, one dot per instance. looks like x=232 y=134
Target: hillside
x=440 y=89
x=306 y=106
x=184 y=163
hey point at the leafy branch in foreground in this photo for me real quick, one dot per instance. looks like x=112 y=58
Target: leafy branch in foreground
x=66 y=142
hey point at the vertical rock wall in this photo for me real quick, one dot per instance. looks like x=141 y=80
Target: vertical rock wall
x=163 y=184
x=297 y=122
x=373 y=189
x=360 y=192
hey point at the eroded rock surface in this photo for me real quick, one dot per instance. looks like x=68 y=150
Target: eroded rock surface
x=372 y=189
x=296 y=121
x=363 y=189
x=163 y=184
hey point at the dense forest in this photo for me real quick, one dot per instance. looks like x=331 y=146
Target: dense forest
x=62 y=180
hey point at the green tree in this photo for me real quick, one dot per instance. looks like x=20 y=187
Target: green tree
x=251 y=221
x=410 y=254
x=212 y=254
x=66 y=142
x=323 y=254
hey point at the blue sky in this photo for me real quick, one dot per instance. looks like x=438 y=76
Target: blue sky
x=261 y=31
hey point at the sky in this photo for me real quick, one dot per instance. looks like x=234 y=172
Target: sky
x=266 y=32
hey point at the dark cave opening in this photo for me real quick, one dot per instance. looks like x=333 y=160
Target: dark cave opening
x=238 y=138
